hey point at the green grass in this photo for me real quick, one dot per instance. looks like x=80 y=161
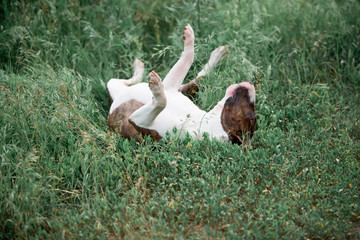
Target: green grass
x=63 y=174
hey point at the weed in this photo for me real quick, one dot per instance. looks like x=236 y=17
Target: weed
x=63 y=174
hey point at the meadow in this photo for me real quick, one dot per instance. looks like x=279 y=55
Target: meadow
x=65 y=175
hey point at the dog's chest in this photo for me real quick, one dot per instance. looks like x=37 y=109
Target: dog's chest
x=181 y=113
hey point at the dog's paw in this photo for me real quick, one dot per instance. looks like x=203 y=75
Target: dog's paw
x=138 y=64
x=188 y=35
x=219 y=53
x=155 y=83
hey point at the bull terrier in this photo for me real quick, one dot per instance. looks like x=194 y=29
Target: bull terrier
x=157 y=107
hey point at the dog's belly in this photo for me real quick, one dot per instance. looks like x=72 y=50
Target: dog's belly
x=180 y=112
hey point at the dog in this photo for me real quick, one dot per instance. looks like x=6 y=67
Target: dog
x=157 y=107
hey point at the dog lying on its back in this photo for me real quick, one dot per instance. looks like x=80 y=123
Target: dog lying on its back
x=159 y=106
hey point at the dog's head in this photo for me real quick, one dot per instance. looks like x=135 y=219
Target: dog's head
x=238 y=116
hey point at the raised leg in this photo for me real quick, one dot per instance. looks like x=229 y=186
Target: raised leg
x=144 y=116
x=191 y=88
x=218 y=54
x=114 y=86
x=175 y=77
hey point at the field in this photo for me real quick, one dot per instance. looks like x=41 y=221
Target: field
x=65 y=175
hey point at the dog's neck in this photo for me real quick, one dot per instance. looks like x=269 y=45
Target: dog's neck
x=211 y=123
x=220 y=106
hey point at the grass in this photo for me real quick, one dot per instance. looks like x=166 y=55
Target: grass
x=63 y=174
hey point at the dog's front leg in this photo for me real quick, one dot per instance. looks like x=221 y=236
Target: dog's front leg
x=189 y=89
x=215 y=56
x=175 y=77
x=144 y=116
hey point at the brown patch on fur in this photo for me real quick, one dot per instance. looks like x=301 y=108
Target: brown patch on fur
x=238 y=117
x=119 y=119
x=155 y=136
x=191 y=88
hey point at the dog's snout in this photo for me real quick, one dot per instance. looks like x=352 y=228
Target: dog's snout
x=251 y=116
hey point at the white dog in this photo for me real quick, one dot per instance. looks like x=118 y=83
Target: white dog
x=159 y=106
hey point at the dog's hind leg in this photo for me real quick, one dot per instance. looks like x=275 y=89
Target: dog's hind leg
x=144 y=116
x=114 y=86
x=189 y=89
x=175 y=77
